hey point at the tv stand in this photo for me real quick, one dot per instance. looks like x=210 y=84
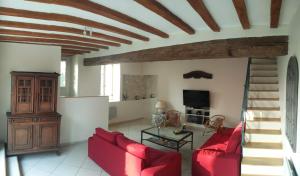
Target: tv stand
x=197 y=116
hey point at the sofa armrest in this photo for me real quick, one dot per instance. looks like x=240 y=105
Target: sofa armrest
x=214 y=162
x=166 y=165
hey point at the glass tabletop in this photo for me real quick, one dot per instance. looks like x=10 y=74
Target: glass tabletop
x=167 y=132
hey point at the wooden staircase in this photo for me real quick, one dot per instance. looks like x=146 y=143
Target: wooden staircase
x=262 y=152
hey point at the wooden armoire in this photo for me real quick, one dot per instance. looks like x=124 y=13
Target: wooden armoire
x=33 y=124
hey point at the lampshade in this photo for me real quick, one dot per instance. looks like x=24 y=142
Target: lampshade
x=160 y=104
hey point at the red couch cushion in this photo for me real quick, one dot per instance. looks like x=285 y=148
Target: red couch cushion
x=136 y=149
x=108 y=136
x=234 y=140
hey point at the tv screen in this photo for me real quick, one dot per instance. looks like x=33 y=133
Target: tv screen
x=196 y=98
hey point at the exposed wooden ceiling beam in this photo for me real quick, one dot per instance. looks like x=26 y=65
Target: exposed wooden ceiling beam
x=50 y=44
x=56 y=36
x=200 y=8
x=78 y=48
x=106 y=12
x=162 y=11
x=70 y=51
x=49 y=41
x=60 y=29
x=66 y=55
x=275 y=13
x=69 y=19
x=241 y=10
x=225 y=48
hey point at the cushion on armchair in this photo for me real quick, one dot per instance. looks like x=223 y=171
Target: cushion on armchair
x=234 y=140
x=108 y=136
x=136 y=149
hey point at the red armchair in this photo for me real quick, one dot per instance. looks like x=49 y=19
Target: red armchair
x=220 y=155
x=120 y=156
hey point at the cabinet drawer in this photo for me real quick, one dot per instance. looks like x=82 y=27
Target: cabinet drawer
x=48 y=119
x=21 y=120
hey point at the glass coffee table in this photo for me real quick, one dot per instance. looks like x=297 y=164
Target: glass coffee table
x=165 y=137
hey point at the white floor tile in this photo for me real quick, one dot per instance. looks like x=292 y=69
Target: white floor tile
x=87 y=172
x=74 y=160
x=65 y=170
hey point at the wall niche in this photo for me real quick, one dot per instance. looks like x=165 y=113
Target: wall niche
x=136 y=87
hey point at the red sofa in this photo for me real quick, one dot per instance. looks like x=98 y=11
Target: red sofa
x=220 y=155
x=120 y=156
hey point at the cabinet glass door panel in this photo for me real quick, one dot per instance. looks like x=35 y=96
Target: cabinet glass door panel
x=24 y=94
x=46 y=94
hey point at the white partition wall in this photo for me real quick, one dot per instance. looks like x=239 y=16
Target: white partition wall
x=80 y=117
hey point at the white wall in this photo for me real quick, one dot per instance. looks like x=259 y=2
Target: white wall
x=294 y=50
x=226 y=87
x=88 y=79
x=80 y=117
x=23 y=57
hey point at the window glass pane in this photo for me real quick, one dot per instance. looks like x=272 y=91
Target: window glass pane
x=63 y=67
x=110 y=81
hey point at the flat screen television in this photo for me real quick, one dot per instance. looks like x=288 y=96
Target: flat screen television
x=196 y=98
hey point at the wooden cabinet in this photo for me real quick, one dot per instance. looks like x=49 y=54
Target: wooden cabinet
x=33 y=123
x=46 y=94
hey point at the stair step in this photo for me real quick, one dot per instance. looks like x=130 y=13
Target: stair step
x=266 y=119
x=255 y=103
x=264 y=145
x=252 y=137
x=13 y=166
x=262 y=161
x=263 y=131
x=264 y=76
x=263 y=125
x=265 y=153
x=2 y=160
x=270 y=90
x=263 y=69
x=263 y=82
x=263 y=99
x=261 y=170
x=267 y=114
x=258 y=64
x=264 y=108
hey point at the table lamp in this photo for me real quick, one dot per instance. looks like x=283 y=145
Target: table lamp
x=160 y=106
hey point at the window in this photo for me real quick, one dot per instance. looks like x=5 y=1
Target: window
x=63 y=67
x=110 y=81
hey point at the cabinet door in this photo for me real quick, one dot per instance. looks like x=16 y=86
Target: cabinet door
x=22 y=136
x=46 y=88
x=48 y=135
x=23 y=95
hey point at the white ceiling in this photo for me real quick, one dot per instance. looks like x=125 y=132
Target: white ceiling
x=223 y=12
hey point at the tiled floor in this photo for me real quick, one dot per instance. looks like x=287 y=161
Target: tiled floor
x=74 y=161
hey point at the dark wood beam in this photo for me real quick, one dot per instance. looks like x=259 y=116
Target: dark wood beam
x=66 y=55
x=241 y=10
x=49 y=41
x=50 y=44
x=70 y=51
x=275 y=13
x=226 y=48
x=61 y=29
x=99 y=9
x=56 y=36
x=162 y=11
x=200 y=8
x=69 y=19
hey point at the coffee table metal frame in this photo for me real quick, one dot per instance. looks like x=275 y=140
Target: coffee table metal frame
x=166 y=141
